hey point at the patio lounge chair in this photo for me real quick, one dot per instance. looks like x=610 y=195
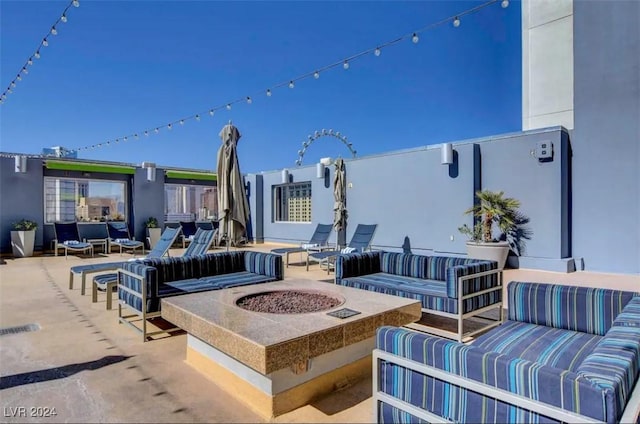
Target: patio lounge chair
x=68 y=238
x=119 y=236
x=189 y=230
x=360 y=241
x=201 y=242
x=161 y=248
x=317 y=242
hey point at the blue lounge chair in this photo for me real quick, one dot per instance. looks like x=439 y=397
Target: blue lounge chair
x=67 y=237
x=317 y=242
x=360 y=241
x=161 y=248
x=189 y=230
x=119 y=236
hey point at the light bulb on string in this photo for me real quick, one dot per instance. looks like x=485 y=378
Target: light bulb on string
x=30 y=62
x=456 y=22
x=268 y=92
x=135 y=136
x=415 y=38
x=169 y=126
x=13 y=84
x=249 y=101
x=19 y=77
x=228 y=106
x=505 y=4
x=316 y=74
x=54 y=31
x=182 y=122
x=345 y=65
x=63 y=18
x=37 y=54
x=146 y=133
x=125 y=138
x=76 y=3
x=25 y=70
x=157 y=130
x=291 y=85
x=377 y=51
x=211 y=112
x=45 y=42
x=116 y=141
x=197 y=117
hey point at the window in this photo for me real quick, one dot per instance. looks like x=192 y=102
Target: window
x=292 y=202
x=190 y=203
x=69 y=199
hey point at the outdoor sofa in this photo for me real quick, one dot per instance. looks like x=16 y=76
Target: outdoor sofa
x=452 y=287
x=142 y=284
x=565 y=354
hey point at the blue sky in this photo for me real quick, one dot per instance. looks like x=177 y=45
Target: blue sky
x=120 y=67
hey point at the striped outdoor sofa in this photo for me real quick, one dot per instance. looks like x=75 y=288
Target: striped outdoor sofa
x=142 y=284
x=453 y=287
x=565 y=354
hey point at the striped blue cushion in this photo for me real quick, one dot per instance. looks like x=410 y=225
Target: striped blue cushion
x=356 y=264
x=562 y=349
x=432 y=294
x=588 y=310
x=212 y=283
x=615 y=360
x=264 y=263
x=472 y=285
x=404 y=264
x=564 y=389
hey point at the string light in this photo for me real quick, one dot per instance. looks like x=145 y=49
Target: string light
x=505 y=4
x=413 y=36
x=43 y=43
x=182 y=122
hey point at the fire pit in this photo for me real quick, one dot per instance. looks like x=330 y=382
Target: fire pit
x=289 y=302
x=276 y=362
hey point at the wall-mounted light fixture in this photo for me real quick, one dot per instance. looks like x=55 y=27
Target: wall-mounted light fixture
x=151 y=170
x=21 y=164
x=285 y=176
x=446 y=154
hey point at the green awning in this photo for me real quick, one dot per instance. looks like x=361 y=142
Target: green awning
x=64 y=165
x=190 y=175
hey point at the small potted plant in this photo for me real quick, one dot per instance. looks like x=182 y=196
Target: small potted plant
x=153 y=231
x=23 y=237
x=493 y=210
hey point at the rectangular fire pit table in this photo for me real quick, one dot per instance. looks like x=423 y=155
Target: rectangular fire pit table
x=276 y=363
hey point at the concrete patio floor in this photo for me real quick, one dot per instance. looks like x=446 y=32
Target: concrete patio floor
x=89 y=368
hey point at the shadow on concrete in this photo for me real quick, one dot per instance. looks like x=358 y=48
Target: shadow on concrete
x=346 y=398
x=57 y=372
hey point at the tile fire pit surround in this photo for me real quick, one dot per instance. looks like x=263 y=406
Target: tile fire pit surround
x=278 y=362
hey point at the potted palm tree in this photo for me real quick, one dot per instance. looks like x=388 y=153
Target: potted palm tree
x=23 y=237
x=492 y=210
x=154 y=232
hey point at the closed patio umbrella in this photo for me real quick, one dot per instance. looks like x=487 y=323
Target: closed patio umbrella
x=340 y=202
x=233 y=209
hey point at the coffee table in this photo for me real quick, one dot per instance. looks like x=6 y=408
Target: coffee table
x=275 y=363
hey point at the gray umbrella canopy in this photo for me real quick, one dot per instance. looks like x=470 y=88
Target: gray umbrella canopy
x=340 y=202
x=233 y=209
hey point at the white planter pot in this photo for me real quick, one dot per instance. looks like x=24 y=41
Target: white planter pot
x=22 y=243
x=154 y=236
x=494 y=251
